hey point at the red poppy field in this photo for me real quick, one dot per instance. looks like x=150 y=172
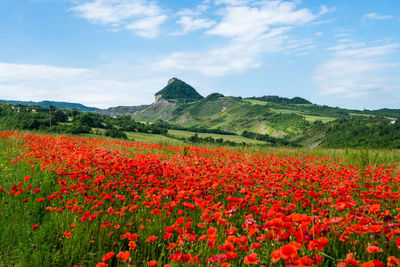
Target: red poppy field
x=86 y=202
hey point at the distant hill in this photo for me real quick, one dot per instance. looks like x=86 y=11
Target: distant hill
x=177 y=90
x=371 y=132
x=292 y=118
x=59 y=105
x=273 y=119
x=281 y=100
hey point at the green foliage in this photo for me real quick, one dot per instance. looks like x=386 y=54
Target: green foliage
x=46 y=104
x=395 y=113
x=371 y=132
x=166 y=125
x=89 y=119
x=60 y=116
x=179 y=91
x=195 y=139
x=78 y=128
x=281 y=100
x=21 y=117
x=214 y=96
x=270 y=139
x=115 y=133
x=223 y=115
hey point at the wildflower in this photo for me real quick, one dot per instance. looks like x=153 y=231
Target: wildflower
x=123 y=255
x=108 y=256
x=288 y=251
x=251 y=259
x=151 y=239
x=67 y=234
x=373 y=249
x=305 y=261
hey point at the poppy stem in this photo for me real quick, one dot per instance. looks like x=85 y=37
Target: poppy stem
x=326 y=255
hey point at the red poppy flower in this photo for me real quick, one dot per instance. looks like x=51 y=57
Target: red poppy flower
x=153 y=263
x=393 y=261
x=373 y=249
x=108 y=256
x=151 y=239
x=124 y=255
x=305 y=261
x=212 y=231
x=251 y=259
x=288 y=251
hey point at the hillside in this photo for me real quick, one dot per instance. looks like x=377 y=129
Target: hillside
x=201 y=127
x=371 y=132
x=177 y=90
x=179 y=104
x=272 y=120
x=59 y=105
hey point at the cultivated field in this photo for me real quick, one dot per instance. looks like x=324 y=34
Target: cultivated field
x=69 y=201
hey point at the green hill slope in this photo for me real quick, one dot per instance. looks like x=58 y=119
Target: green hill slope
x=177 y=90
x=47 y=103
x=295 y=119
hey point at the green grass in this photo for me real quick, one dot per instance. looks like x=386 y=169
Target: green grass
x=233 y=138
x=309 y=118
x=287 y=111
x=370 y=115
x=137 y=136
x=255 y=102
x=355 y=157
x=318 y=118
x=152 y=138
x=20 y=245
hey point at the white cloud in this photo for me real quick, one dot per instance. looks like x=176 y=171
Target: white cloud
x=355 y=71
x=197 y=11
x=341 y=35
x=325 y=9
x=194 y=19
x=232 y=2
x=342 y=46
x=235 y=57
x=141 y=16
x=299 y=47
x=93 y=87
x=21 y=72
x=251 y=30
x=368 y=52
x=376 y=16
x=251 y=21
x=147 y=27
x=190 y=24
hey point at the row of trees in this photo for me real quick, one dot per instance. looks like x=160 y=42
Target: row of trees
x=371 y=132
x=166 y=125
x=21 y=117
x=356 y=131
x=270 y=139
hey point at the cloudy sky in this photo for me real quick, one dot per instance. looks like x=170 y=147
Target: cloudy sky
x=106 y=53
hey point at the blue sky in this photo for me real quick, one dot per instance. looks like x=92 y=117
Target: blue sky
x=120 y=52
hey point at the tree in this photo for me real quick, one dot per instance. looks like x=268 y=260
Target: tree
x=60 y=116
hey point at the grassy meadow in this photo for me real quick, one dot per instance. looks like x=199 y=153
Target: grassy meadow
x=86 y=201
